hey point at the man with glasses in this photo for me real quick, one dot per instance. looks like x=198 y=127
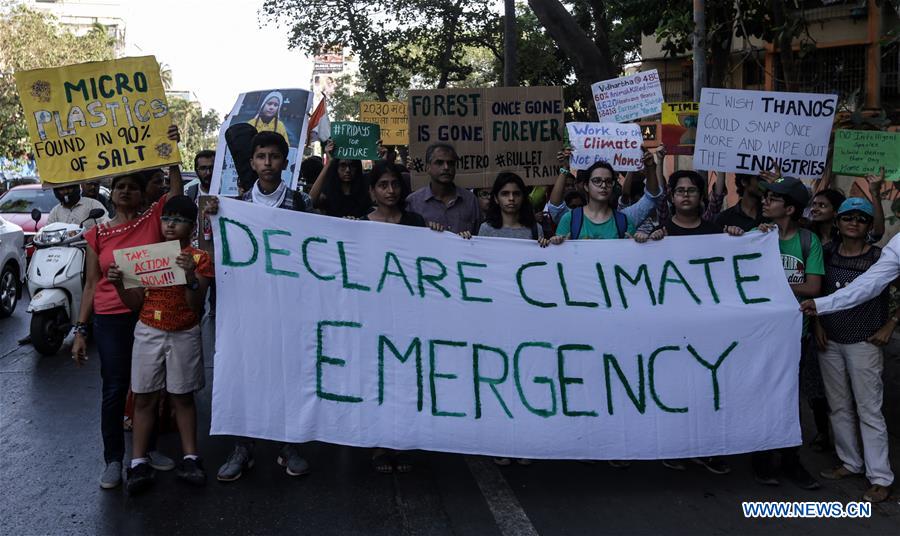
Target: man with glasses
x=801 y=256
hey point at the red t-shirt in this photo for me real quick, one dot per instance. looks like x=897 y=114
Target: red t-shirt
x=103 y=239
x=166 y=308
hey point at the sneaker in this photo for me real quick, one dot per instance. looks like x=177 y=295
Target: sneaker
x=765 y=477
x=139 y=479
x=675 y=465
x=838 y=473
x=293 y=463
x=876 y=494
x=801 y=477
x=619 y=464
x=714 y=464
x=160 y=461
x=191 y=471
x=112 y=475
x=240 y=459
x=502 y=462
x=524 y=461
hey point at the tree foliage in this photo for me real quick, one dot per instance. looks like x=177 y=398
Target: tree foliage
x=32 y=40
x=198 y=129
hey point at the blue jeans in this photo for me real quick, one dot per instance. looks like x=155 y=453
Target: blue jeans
x=115 y=338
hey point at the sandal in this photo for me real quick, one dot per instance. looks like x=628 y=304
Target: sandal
x=382 y=464
x=404 y=464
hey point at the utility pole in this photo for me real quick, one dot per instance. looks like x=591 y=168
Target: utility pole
x=510 y=45
x=699 y=48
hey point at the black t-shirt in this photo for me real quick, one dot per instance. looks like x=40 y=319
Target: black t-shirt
x=705 y=227
x=408 y=218
x=735 y=217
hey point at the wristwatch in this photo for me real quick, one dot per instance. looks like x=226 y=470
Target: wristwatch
x=81 y=328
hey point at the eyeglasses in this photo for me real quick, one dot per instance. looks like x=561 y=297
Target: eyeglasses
x=600 y=181
x=857 y=218
x=686 y=192
x=204 y=168
x=484 y=193
x=772 y=198
x=176 y=219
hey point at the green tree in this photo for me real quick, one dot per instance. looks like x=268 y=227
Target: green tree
x=198 y=130
x=165 y=75
x=33 y=40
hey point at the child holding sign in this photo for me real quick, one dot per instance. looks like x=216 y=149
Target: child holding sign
x=167 y=356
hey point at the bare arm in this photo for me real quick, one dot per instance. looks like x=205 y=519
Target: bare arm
x=92 y=276
x=176 y=184
x=316 y=191
x=651 y=173
x=875 y=184
x=556 y=194
x=810 y=288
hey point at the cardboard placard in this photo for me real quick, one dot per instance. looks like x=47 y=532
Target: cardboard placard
x=679 y=126
x=97 y=119
x=629 y=97
x=391 y=117
x=150 y=266
x=516 y=129
x=751 y=131
x=865 y=152
x=616 y=143
x=355 y=141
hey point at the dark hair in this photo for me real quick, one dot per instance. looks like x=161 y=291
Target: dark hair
x=382 y=168
x=358 y=203
x=269 y=139
x=739 y=179
x=791 y=202
x=833 y=196
x=205 y=153
x=429 y=152
x=895 y=206
x=637 y=186
x=140 y=177
x=181 y=205
x=585 y=174
x=526 y=212
x=695 y=178
x=572 y=195
x=310 y=168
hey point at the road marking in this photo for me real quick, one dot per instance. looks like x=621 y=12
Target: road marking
x=507 y=512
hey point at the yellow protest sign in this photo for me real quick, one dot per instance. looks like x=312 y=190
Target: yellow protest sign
x=679 y=126
x=97 y=119
x=391 y=117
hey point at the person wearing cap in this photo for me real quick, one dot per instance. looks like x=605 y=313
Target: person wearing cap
x=801 y=256
x=851 y=358
x=167 y=357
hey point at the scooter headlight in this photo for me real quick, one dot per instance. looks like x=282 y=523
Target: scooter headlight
x=50 y=238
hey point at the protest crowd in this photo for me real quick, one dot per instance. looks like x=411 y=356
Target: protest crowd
x=149 y=337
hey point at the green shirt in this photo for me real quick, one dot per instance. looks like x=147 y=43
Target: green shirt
x=591 y=230
x=796 y=267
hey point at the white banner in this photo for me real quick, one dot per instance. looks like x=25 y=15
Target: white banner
x=371 y=334
x=629 y=97
x=751 y=131
x=616 y=143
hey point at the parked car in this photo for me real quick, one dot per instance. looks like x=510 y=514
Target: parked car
x=16 y=206
x=12 y=266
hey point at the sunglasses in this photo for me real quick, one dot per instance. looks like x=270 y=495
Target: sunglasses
x=857 y=218
x=176 y=219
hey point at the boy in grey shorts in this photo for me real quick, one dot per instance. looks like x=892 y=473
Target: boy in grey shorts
x=167 y=357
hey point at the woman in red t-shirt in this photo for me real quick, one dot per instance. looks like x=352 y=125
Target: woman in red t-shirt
x=113 y=321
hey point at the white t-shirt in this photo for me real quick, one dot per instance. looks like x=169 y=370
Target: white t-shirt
x=78 y=213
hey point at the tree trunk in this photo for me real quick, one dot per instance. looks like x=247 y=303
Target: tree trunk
x=783 y=42
x=510 y=45
x=591 y=65
x=699 y=40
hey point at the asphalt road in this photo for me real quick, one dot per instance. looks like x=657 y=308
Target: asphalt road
x=51 y=458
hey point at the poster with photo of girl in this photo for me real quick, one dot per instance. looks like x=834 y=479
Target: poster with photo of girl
x=285 y=111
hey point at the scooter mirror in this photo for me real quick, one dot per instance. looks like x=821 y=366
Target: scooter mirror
x=94 y=214
x=36 y=215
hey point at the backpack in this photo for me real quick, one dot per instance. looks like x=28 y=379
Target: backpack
x=578 y=222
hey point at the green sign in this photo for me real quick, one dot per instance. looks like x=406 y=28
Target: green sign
x=355 y=141
x=864 y=152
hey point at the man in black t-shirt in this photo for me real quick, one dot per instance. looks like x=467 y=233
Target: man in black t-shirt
x=747 y=213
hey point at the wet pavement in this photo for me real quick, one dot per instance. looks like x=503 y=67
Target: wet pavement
x=51 y=458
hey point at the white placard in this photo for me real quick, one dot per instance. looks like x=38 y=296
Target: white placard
x=629 y=97
x=616 y=143
x=372 y=334
x=751 y=131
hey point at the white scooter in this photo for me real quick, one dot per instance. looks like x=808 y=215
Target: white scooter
x=56 y=281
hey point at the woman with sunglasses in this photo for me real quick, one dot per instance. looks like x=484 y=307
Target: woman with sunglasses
x=113 y=321
x=850 y=355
